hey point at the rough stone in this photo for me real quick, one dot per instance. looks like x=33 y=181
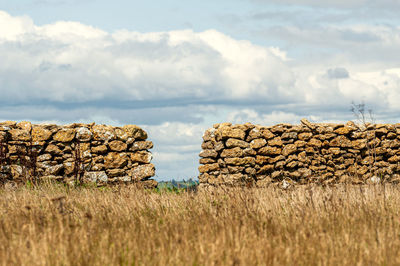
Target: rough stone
x=117 y=145
x=65 y=135
x=115 y=160
x=142 y=172
x=141 y=157
x=20 y=135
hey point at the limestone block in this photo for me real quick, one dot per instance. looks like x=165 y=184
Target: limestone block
x=65 y=135
x=135 y=132
x=83 y=134
x=235 y=152
x=240 y=161
x=121 y=134
x=268 y=150
x=141 y=145
x=95 y=176
x=229 y=132
x=256 y=133
x=103 y=132
x=141 y=157
x=277 y=141
x=208 y=154
x=20 y=135
x=117 y=145
x=25 y=125
x=142 y=172
x=289 y=149
x=207 y=160
x=101 y=149
x=53 y=150
x=232 y=143
x=208 y=167
x=258 y=143
x=305 y=136
x=115 y=160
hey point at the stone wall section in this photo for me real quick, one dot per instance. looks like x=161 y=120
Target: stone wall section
x=250 y=154
x=100 y=153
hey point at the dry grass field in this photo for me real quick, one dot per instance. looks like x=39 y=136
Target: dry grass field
x=344 y=225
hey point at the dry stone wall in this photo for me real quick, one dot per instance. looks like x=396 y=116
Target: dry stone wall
x=77 y=152
x=250 y=154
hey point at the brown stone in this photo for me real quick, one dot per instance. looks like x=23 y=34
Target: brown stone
x=341 y=141
x=208 y=168
x=269 y=151
x=314 y=143
x=207 y=145
x=115 y=160
x=394 y=159
x=235 y=152
x=359 y=144
x=121 y=134
x=25 y=126
x=209 y=134
x=265 y=169
x=115 y=172
x=208 y=154
x=275 y=142
x=344 y=130
x=141 y=157
x=307 y=123
x=305 y=136
x=206 y=161
x=267 y=134
x=117 y=145
x=64 y=135
x=40 y=134
x=53 y=150
x=99 y=149
x=135 y=132
x=249 y=152
x=232 y=143
x=226 y=132
x=257 y=143
x=240 y=161
x=289 y=149
x=20 y=135
x=255 y=133
x=261 y=160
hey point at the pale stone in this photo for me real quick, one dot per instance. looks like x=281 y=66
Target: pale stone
x=103 y=132
x=83 y=134
x=141 y=157
x=142 y=172
x=141 y=145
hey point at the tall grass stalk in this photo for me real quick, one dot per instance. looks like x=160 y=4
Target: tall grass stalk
x=305 y=225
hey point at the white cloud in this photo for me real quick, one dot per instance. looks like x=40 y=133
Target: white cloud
x=176 y=84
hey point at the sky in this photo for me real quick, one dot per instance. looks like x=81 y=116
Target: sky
x=176 y=68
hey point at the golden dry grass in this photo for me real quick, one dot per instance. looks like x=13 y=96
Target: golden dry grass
x=345 y=225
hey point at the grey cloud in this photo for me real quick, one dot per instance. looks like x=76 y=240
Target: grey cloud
x=337 y=73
